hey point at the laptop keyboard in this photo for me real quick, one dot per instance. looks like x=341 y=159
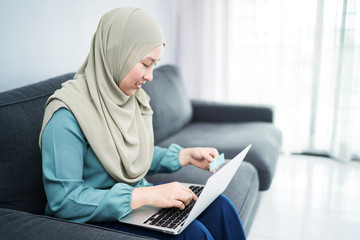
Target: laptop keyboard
x=173 y=217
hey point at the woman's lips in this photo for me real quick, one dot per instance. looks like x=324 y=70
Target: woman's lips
x=138 y=85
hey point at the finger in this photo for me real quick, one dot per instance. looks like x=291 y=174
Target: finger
x=216 y=153
x=205 y=156
x=209 y=159
x=211 y=154
x=187 y=195
x=192 y=195
x=180 y=205
x=187 y=201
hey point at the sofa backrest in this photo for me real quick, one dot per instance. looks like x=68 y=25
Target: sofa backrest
x=169 y=101
x=21 y=113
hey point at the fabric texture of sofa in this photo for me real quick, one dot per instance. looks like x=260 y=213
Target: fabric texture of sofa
x=177 y=119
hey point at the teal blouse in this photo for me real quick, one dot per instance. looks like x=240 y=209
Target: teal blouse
x=77 y=186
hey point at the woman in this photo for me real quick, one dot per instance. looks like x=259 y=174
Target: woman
x=97 y=138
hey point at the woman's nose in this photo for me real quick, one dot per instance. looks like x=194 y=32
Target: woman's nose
x=149 y=75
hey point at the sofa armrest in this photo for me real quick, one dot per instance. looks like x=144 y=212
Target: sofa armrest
x=21 y=225
x=207 y=111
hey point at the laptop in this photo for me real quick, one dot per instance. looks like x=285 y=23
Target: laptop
x=173 y=220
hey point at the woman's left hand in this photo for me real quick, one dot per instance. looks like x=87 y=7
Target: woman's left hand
x=199 y=157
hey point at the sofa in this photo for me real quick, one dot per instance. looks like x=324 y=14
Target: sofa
x=176 y=119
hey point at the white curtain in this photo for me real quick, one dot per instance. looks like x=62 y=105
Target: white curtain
x=201 y=47
x=302 y=57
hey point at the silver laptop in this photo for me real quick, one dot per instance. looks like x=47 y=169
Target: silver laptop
x=173 y=220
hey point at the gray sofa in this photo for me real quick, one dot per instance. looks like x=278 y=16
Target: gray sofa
x=177 y=119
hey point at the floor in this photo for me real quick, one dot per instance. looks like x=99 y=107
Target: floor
x=310 y=198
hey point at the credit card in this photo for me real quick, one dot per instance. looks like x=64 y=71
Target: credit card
x=217 y=162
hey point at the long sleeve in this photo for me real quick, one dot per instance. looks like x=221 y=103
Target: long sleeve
x=72 y=191
x=165 y=160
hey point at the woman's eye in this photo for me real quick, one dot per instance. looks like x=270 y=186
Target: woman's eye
x=145 y=65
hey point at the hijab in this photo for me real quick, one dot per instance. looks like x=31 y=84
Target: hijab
x=118 y=127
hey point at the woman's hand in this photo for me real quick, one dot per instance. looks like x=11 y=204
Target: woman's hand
x=174 y=194
x=164 y=196
x=199 y=157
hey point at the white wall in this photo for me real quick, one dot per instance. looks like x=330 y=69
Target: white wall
x=40 y=39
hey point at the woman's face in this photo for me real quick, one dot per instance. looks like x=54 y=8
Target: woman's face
x=141 y=72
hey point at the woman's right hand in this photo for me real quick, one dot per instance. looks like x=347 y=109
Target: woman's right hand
x=164 y=196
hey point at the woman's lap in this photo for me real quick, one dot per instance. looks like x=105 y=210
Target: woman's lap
x=196 y=230
x=227 y=225
x=219 y=221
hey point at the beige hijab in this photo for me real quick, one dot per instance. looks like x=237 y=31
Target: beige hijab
x=118 y=127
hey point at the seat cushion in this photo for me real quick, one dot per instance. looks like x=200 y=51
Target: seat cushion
x=171 y=105
x=18 y=225
x=231 y=138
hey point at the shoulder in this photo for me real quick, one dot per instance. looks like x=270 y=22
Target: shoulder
x=63 y=114
x=64 y=121
x=64 y=117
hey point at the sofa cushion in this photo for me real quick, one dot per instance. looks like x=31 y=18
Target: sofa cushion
x=21 y=112
x=171 y=105
x=265 y=138
x=19 y=225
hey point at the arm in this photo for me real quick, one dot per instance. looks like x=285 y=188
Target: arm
x=225 y=112
x=171 y=159
x=165 y=160
x=174 y=194
x=69 y=196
